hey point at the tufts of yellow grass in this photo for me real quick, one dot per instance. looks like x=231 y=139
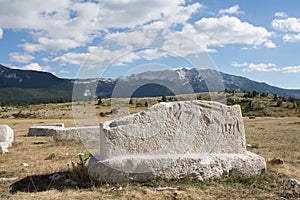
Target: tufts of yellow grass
x=269 y=137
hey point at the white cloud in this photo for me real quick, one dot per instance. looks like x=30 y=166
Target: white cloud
x=182 y=45
x=31 y=14
x=137 y=12
x=20 y=57
x=122 y=48
x=281 y=14
x=139 y=37
x=151 y=54
x=265 y=67
x=70 y=58
x=235 y=64
x=291 y=37
x=64 y=71
x=290 y=24
x=1 y=33
x=291 y=69
x=149 y=44
x=63 y=24
x=179 y=16
x=99 y=56
x=269 y=44
x=261 y=67
x=228 y=30
x=93 y=57
x=35 y=67
x=31 y=47
x=235 y=9
x=57 y=44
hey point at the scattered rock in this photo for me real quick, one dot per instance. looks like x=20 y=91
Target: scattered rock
x=80 y=154
x=25 y=164
x=277 y=161
x=56 y=177
x=8 y=179
x=70 y=182
x=6 y=138
x=166 y=188
x=292 y=183
x=118 y=187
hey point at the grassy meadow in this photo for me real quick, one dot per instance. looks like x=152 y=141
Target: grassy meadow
x=272 y=130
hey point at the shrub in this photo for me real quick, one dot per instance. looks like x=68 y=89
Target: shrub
x=102 y=114
x=279 y=103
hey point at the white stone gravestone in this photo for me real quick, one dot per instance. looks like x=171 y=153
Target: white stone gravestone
x=197 y=139
x=6 y=137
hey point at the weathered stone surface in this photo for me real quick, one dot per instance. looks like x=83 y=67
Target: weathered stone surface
x=197 y=166
x=89 y=135
x=76 y=133
x=6 y=137
x=44 y=129
x=200 y=139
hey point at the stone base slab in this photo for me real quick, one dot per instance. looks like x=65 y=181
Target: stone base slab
x=196 y=166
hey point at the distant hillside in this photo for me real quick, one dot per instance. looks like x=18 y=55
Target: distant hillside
x=27 y=86
x=197 y=80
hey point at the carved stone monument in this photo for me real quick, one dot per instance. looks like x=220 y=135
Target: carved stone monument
x=197 y=139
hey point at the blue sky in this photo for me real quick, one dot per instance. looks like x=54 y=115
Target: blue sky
x=72 y=38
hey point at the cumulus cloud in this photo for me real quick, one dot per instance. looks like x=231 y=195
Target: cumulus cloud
x=93 y=57
x=1 y=33
x=269 y=44
x=65 y=24
x=228 y=30
x=35 y=67
x=265 y=67
x=291 y=69
x=261 y=67
x=290 y=24
x=123 y=48
x=62 y=25
x=180 y=16
x=235 y=64
x=235 y=9
x=291 y=37
x=149 y=44
x=290 y=27
x=139 y=37
x=281 y=14
x=29 y=47
x=99 y=56
x=20 y=57
x=70 y=58
x=64 y=71
x=137 y=12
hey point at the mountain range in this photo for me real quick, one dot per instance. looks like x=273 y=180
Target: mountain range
x=27 y=86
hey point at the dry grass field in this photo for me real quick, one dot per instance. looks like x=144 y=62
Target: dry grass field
x=269 y=137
